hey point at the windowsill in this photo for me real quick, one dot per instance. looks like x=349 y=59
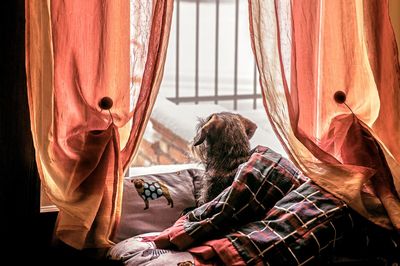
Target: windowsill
x=48 y=208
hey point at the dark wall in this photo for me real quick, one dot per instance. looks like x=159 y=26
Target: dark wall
x=19 y=183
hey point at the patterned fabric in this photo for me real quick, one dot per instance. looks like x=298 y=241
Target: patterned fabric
x=137 y=251
x=140 y=215
x=151 y=191
x=271 y=215
x=298 y=229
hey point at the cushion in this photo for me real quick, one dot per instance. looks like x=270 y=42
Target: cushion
x=139 y=250
x=154 y=198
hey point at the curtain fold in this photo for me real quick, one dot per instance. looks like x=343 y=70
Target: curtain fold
x=306 y=51
x=78 y=53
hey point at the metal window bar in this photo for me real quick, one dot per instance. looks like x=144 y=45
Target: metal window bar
x=177 y=52
x=216 y=97
x=216 y=66
x=196 y=79
x=235 y=92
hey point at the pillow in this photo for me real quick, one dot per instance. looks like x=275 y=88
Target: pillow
x=138 y=250
x=154 y=198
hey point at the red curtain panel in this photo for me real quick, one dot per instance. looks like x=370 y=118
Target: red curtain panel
x=306 y=51
x=94 y=69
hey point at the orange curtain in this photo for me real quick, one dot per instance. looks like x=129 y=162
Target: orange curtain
x=306 y=51
x=394 y=14
x=78 y=53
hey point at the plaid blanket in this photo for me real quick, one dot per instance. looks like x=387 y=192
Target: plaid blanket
x=271 y=215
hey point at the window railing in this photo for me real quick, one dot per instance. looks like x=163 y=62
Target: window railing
x=246 y=89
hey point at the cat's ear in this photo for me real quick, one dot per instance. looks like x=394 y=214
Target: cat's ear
x=249 y=126
x=207 y=130
x=200 y=137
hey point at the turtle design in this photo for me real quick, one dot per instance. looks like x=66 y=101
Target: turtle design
x=152 y=191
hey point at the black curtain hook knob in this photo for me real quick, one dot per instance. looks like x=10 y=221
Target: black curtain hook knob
x=340 y=97
x=105 y=103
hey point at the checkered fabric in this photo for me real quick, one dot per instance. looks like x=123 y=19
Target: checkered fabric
x=271 y=215
x=300 y=227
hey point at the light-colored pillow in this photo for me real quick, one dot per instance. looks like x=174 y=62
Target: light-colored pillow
x=138 y=250
x=154 y=198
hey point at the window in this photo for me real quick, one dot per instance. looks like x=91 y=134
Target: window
x=209 y=68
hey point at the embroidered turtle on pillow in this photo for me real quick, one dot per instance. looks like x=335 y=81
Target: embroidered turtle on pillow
x=153 y=190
